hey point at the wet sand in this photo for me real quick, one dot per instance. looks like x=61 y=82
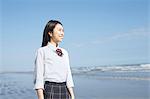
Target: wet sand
x=20 y=86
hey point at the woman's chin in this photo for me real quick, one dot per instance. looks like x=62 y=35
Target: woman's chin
x=59 y=41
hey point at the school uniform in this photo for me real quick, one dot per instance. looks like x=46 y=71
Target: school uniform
x=52 y=72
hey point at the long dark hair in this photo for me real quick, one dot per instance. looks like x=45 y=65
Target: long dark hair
x=49 y=28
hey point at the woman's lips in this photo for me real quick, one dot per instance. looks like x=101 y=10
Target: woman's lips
x=61 y=37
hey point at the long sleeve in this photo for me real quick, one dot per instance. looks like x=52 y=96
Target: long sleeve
x=39 y=70
x=69 y=76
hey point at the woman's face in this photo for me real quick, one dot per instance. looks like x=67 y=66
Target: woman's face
x=58 y=33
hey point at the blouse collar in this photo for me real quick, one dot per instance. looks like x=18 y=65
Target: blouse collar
x=50 y=45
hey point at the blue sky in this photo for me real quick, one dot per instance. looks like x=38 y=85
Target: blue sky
x=97 y=32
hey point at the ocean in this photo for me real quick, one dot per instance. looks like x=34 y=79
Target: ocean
x=130 y=81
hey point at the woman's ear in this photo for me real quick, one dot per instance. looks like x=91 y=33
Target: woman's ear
x=50 y=34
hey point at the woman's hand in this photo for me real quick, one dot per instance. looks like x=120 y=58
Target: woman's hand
x=72 y=97
x=40 y=93
x=71 y=92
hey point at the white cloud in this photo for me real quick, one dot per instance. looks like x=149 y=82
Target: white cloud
x=138 y=32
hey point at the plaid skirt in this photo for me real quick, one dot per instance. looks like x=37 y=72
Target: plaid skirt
x=53 y=90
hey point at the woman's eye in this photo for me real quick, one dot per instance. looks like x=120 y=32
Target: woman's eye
x=61 y=30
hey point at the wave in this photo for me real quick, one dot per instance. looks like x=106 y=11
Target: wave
x=113 y=68
x=124 y=72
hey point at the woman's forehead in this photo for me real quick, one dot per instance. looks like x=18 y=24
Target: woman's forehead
x=58 y=26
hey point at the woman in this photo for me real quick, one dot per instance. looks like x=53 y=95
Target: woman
x=53 y=78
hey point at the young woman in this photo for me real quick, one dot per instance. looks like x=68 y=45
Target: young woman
x=53 y=78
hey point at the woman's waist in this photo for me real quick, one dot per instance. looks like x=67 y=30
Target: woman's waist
x=55 y=83
x=55 y=79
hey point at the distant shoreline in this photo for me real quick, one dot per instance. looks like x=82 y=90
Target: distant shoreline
x=136 y=64
x=25 y=72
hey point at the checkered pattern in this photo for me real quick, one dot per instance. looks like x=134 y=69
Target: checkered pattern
x=56 y=91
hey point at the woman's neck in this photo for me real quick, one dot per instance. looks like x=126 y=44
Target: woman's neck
x=55 y=44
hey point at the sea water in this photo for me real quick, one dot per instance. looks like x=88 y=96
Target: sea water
x=94 y=82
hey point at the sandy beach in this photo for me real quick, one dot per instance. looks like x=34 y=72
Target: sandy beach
x=89 y=88
x=20 y=86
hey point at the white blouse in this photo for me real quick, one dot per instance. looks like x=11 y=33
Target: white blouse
x=51 y=67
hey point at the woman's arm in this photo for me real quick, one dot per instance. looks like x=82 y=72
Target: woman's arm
x=70 y=83
x=39 y=71
x=40 y=93
x=71 y=92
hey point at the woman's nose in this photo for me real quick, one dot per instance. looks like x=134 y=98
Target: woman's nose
x=62 y=33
